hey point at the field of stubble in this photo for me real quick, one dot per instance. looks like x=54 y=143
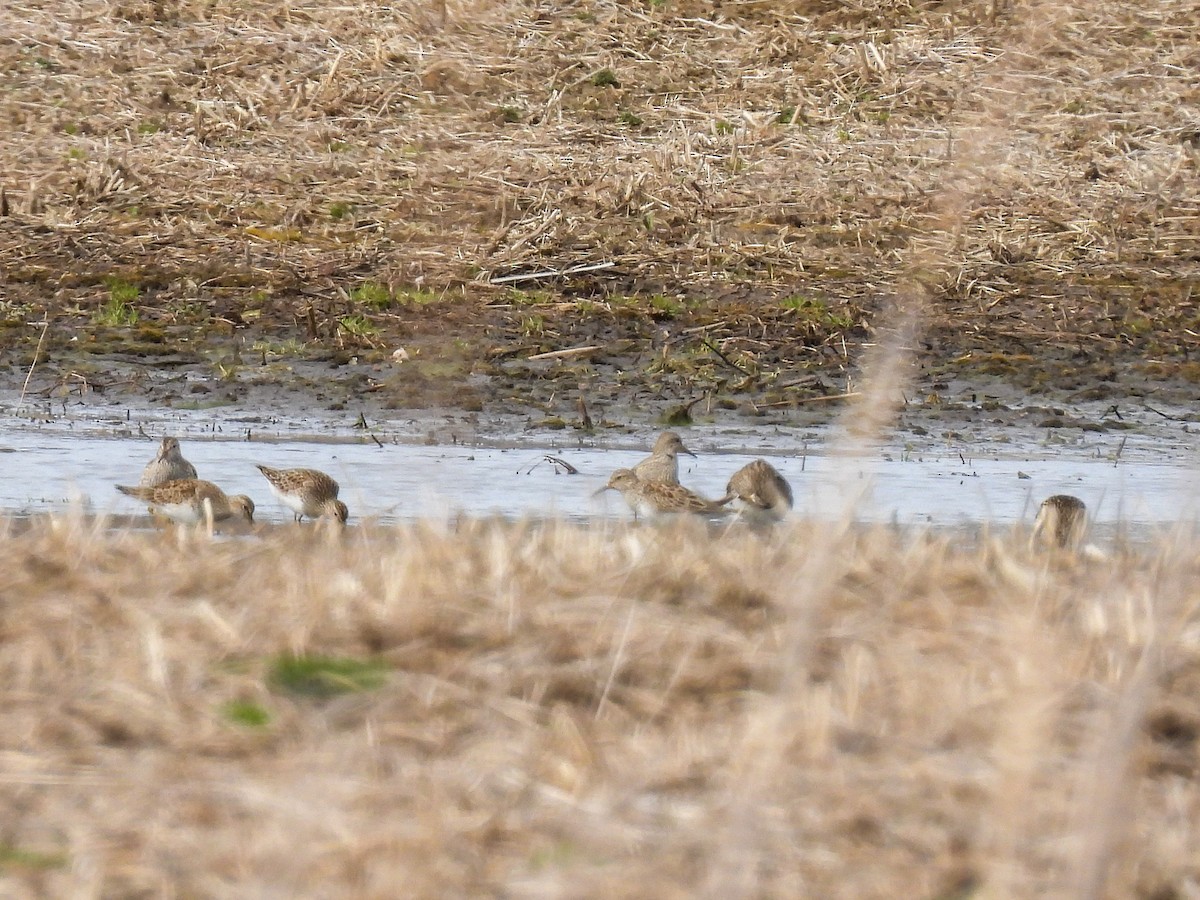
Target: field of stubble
x=674 y=199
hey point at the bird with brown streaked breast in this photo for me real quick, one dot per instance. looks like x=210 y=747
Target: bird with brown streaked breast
x=190 y=501
x=762 y=493
x=652 y=499
x=662 y=465
x=168 y=465
x=306 y=492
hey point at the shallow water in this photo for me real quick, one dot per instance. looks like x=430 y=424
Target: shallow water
x=48 y=472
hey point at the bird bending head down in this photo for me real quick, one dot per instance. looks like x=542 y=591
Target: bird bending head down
x=1061 y=522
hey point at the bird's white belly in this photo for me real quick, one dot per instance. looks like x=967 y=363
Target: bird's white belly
x=643 y=507
x=292 y=501
x=184 y=513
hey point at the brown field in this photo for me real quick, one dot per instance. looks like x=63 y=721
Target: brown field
x=761 y=190
x=519 y=710
x=230 y=184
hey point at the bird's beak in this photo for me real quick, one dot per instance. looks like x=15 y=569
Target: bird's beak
x=607 y=487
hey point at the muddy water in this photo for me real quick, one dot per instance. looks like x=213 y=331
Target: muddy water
x=46 y=472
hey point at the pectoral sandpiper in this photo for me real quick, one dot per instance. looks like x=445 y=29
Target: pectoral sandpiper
x=653 y=499
x=168 y=465
x=190 y=501
x=1061 y=522
x=762 y=493
x=662 y=465
x=306 y=492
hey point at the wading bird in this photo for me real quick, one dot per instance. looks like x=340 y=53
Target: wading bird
x=306 y=492
x=1061 y=522
x=190 y=501
x=762 y=494
x=662 y=465
x=651 y=499
x=168 y=465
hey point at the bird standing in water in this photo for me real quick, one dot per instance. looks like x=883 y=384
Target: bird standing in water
x=1061 y=522
x=662 y=465
x=306 y=492
x=652 y=499
x=190 y=501
x=762 y=493
x=168 y=465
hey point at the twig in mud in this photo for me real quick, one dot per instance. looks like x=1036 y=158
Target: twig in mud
x=725 y=359
x=1120 y=450
x=546 y=224
x=1158 y=412
x=554 y=461
x=84 y=385
x=378 y=443
x=551 y=273
x=827 y=397
x=566 y=466
x=562 y=354
x=310 y=316
x=33 y=364
x=806 y=381
x=711 y=326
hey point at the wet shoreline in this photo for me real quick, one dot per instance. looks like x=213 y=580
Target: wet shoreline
x=56 y=470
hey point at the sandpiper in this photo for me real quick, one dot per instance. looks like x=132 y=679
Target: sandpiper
x=306 y=492
x=190 y=501
x=762 y=493
x=168 y=465
x=1061 y=522
x=652 y=499
x=662 y=465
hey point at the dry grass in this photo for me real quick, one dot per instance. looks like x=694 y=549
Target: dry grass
x=564 y=712
x=247 y=154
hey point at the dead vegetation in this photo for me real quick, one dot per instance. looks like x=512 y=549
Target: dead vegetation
x=490 y=709
x=248 y=167
x=543 y=710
